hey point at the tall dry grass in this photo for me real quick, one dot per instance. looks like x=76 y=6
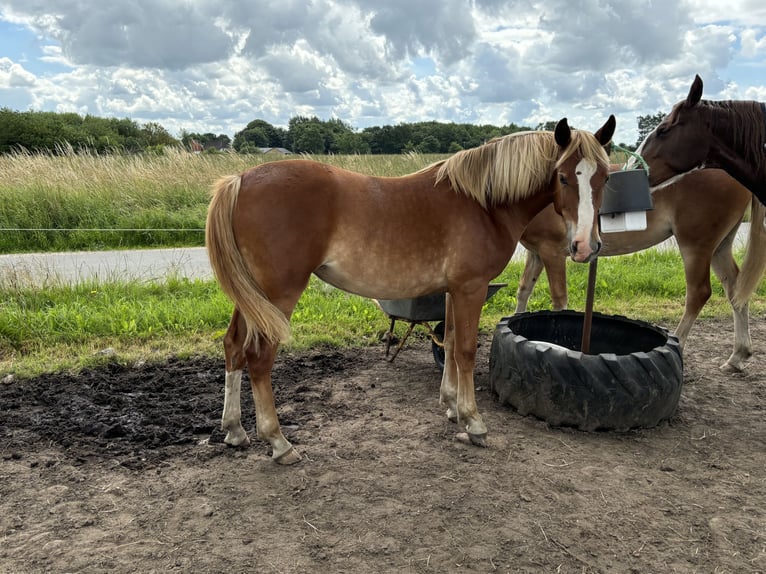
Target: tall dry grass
x=75 y=201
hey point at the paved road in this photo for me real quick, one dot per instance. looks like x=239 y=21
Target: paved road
x=145 y=264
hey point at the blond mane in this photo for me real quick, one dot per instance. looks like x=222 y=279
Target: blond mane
x=512 y=167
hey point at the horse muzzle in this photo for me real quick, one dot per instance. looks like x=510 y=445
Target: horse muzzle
x=584 y=251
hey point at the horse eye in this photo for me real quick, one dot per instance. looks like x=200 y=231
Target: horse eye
x=563 y=179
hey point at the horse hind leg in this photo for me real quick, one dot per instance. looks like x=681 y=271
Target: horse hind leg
x=533 y=267
x=698 y=291
x=231 y=420
x=556 y=269
x=259 y=364
x=554 y=263
x=725 y=268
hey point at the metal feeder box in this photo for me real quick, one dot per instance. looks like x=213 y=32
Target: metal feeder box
x=626 y=201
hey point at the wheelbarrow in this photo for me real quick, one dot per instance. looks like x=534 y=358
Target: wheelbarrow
x=423 y=311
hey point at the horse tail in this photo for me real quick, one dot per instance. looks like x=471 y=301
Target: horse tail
x=754 y=262
x=262 y=317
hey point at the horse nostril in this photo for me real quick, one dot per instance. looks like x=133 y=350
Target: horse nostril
x=573 y=247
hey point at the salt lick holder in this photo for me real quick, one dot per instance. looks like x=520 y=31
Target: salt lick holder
x=626 y=200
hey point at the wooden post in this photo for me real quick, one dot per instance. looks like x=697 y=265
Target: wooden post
x=589 y=295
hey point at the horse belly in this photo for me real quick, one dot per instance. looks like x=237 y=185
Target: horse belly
x=659 y=227
x=384 y=276
x=625 y=242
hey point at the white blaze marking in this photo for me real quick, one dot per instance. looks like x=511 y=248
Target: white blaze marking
x=584 y=170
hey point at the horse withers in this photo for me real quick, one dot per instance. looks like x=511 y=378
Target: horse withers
x=703 y=211
x=703 y=133
x=269 y=228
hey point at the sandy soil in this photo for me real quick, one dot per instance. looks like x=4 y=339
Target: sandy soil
x=106 y=471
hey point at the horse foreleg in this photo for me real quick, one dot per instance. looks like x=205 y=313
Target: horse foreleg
x=466 y=313
x=725 y=268
x=259 y=364
x=448 y=389
x=231 y=420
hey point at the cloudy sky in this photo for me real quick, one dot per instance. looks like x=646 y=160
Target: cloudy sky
x=209 y=66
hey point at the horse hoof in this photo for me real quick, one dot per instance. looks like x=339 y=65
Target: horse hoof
x=237 y=439
x=474 y=439
x=289 y=457
x=478 y=439
x=451 y=415
x=728 y=367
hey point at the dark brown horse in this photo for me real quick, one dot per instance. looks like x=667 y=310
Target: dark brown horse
x=703 y=210
x=696 y=133
x=451 y=227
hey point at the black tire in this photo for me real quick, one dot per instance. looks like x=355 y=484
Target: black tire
x=632 y=378
x=436 y=348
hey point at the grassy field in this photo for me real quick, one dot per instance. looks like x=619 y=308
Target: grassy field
x=82 y=201
x=68 y=327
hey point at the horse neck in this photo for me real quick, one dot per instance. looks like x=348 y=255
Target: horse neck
x=737 y=155
x=517 y=215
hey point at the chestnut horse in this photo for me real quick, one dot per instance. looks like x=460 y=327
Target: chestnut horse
x=696 y=133
x=703 y=210
x=450 y=227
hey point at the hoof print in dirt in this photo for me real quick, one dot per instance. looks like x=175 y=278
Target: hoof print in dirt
x=631 y=378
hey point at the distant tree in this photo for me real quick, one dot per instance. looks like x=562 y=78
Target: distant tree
x=548 y=126
x=333 y=131
x=430 y=144
x=389 y=139
x=260 y=133
x=352 y=143
x=206 y=140
x=308 y=138
x=53 y=132
x=155 y=135
x=129 y=134
x=248 y=147
x=646 y=125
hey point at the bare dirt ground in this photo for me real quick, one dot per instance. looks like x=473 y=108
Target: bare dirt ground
x=104 y=472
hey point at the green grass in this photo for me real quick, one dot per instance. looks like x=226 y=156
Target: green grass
x=70 y=327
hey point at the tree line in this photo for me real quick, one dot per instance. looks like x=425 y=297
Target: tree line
x=53 y=132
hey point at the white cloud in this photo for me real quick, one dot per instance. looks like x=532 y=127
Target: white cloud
x=735 y=12
x=216 y=66
x=13 y=75
x=753 y=43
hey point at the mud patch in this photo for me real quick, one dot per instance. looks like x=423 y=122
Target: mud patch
x=105 y=471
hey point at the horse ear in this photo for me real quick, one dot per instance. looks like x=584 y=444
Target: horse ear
x=695 y=92
x=605 y=132
x=563 y=133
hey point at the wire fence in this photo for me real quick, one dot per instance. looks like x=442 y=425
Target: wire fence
x=115 y=229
